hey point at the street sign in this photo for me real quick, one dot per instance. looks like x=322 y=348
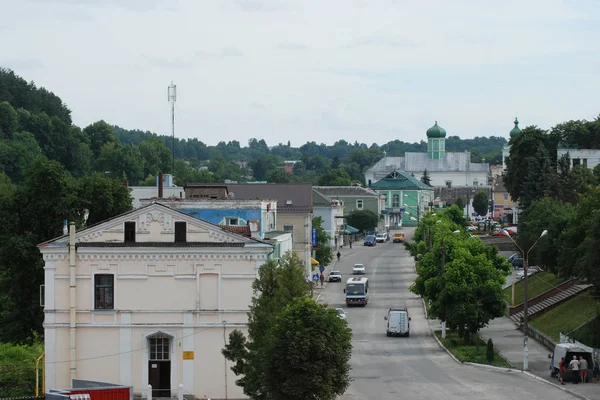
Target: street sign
x=321 y=268
x=188 y=355
x=314 y=237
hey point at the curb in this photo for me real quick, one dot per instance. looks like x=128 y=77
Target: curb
x=539 y=378
x=442 y=345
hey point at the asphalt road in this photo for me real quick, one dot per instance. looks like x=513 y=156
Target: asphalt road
x=412 y=367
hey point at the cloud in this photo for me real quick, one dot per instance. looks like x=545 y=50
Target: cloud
x=382 y=40
x=191 y=60
x=291 y=46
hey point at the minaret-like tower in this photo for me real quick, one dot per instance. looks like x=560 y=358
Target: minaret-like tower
x=436 y=142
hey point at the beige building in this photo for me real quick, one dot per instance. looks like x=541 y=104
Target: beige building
x=148 y=297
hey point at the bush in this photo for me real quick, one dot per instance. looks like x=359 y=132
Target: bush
x=17 y=369
x=490 y=351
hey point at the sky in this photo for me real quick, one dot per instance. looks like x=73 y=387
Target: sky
x=370 y=71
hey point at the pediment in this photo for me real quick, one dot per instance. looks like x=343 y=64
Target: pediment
x=153 y=223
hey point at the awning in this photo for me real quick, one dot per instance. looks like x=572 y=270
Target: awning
x=313 y=261
x=351 y=229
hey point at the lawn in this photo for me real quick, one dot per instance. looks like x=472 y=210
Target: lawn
x=475 y=353
x=538 y=284
x=570 y=315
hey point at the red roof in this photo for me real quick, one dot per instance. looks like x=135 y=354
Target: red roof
x=241 y=230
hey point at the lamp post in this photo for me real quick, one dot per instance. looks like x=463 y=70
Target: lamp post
x=525 y=309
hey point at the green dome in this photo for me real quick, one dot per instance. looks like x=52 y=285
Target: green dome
x=515 y=131
x=436 y=131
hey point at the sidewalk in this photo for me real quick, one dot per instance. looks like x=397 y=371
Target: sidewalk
x=345 y=252
x=508 y=340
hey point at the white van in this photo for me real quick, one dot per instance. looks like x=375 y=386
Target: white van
x=568 y=350
x=398 y=322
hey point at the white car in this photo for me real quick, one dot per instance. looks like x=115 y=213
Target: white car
x=335 y=276
x=341 y=313
x=381 y=237
x=530 y=271
x=359 y=269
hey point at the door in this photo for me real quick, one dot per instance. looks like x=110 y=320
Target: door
x=159 y=366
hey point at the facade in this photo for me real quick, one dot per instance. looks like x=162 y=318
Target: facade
x=165 y=188
x=406 y=198
x=504 y=207
x=444 y=169
x=586 y=157
x=332 y=212
x=355 y=198
x=294 y=207
x=148 y=297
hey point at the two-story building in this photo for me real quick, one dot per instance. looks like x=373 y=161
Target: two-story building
x=332 y=212
x=294 y=207
x=148 y=298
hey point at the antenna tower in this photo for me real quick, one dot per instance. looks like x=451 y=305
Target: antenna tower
x=172 y=94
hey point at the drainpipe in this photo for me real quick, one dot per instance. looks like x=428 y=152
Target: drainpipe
x=72 y=302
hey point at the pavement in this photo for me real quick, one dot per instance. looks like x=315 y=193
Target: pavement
x=416 y=366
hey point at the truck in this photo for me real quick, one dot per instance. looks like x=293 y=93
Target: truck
x=398 y=322
x=357 y=291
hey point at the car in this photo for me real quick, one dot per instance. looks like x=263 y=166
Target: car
x=399 y=237
x=335 y=276
x=530 y=271
x=341 y=313
x=358 y=269
x=370 y=240
x=471 y=228
x=381 y=237
x=503 y=232
x=516 y=260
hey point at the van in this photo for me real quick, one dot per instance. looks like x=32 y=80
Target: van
x=370 y=240
x=568 y=350
x=398 y=322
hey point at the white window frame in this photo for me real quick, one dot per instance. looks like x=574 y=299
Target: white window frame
x=360 y=204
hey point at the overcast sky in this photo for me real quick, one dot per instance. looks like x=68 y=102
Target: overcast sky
x=311 y=70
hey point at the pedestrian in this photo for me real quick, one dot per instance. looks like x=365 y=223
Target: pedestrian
x=322 y=278
x=339 y=255
x=350 y=242
x=574 y=365
x=583 y=367
x=562 y=369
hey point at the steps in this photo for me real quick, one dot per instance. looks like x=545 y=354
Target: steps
x=549 y=302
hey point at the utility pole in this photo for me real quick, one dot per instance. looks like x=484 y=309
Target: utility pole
x=172 y=97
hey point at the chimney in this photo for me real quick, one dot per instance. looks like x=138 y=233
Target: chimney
x=160 y=185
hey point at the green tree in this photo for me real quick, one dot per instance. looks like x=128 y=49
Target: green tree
x=323 y=250
x=335 y=177
x=277 y=285
x=299 y=348
x=157 y=157
x=122 y=162
x=99 y=135
x=9 y=120
x=425 y=178
x=278 y=175
x=481 y=202
x=460 y=204
x=104 y=197
x=363 y=220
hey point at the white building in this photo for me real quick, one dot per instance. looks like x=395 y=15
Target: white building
x=444 y=169
x=586 y=157
x=165 y=191
x=331 y=210
x=148 y=297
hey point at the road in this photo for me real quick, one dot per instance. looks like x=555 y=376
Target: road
x=414 y=367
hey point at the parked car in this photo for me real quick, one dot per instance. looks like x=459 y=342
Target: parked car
x=516 y=260
x=530 y=271
x=370 y=240
x=335 y=276
x=341 y=313
x=381 y=237
x=358 y=269
x=399 y=237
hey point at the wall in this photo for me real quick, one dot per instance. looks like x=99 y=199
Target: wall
x=592 y=156
x=329 y=221
x=535 y=300
x=302 y=235
x=458 y=178
x=148 y=192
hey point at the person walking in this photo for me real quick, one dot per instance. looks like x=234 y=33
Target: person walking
x=583 y=367
x=562 y=369
x=322 y=278
x=574 y=365
x=339 y=255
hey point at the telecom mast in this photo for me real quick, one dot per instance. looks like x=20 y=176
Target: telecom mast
x=172 y=94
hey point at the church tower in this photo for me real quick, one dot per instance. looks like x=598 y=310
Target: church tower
x=436 y=142
x=515 y=131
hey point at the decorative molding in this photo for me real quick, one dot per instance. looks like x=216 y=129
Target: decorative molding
x=158 y=257
x=239 y=276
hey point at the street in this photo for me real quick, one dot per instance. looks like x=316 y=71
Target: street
x=412 y=367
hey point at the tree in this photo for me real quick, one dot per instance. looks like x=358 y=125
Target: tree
x=460 y=204
x=335 y=177
x=481 y=202
x=323 y=250
x=157 y=157
x=9 y=120
x=104 y=197
x=363 y=220
x=298 y=349
x=278 y=175
x=99 y=135
x=425 y=178
x=277 y=285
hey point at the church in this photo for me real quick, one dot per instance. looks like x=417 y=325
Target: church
x=444 y=169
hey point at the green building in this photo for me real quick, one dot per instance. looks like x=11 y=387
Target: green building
x=406 y=198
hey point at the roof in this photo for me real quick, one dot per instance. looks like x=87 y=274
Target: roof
x=419 y=162
x=354 y=191
x=516 y=130
x=242 y=230
x=400 y=180
x=436 y=131
x=319 y=199
x=291 y=197
x=499 y=185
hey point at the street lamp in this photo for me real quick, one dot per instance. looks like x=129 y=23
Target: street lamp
x=525 y=294
x=443 y=276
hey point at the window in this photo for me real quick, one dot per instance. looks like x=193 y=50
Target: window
x=359 y=204
x=180 y=232
x=449 y=183
x=395 y=200
x=232 y=221
x=475 y=183
x=129 y=232
x=104 y=288
x=505 y=196
x=585 y=162
x=576 y=161
x=159 y=348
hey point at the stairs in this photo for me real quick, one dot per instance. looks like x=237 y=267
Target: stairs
x=549 y=303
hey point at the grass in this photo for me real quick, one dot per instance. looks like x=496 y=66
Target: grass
x=570 y=315
x=538 y=284
x=475 y=353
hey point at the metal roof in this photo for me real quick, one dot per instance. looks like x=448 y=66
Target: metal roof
x=357 y=191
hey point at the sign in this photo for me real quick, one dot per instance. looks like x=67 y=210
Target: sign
x=321 y=268
x=314 y=237
x=188 y=355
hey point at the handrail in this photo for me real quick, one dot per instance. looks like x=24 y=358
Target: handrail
x=37 y=375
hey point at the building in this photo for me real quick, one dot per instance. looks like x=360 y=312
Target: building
x=165 y=188
x=147 y=297
x=443 y=168
x=356 y=198
x=505 y=208
x=514 y=132
x=406 y=198
x=331 y=210
x=586 y=157
x=294 y=207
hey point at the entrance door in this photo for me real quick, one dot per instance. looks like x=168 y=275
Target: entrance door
x=159 y=366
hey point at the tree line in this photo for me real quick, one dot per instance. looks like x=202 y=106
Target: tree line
x=559 y=198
